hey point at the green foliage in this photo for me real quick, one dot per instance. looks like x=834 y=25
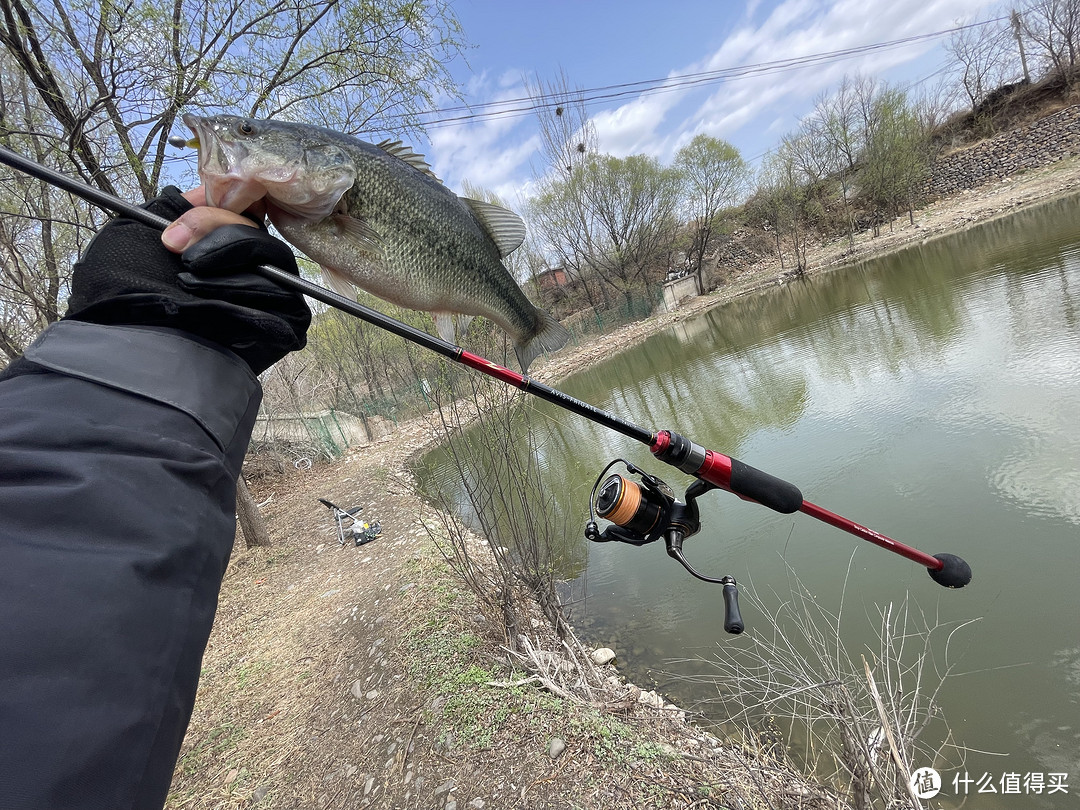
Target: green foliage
x=714 y=177
x=610 y=222
x=895 y=156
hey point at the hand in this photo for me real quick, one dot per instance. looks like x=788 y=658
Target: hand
x=196 y=223
x=131 y=274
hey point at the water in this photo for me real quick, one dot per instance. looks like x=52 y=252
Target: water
x=933 y=396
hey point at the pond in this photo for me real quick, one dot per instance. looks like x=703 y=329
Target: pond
x=934 y=396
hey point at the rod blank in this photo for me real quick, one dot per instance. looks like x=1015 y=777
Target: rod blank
x=716 y=468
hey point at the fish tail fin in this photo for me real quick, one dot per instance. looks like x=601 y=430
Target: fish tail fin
x=549 y=336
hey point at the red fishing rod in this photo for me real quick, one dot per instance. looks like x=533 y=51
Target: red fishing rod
x=672 y=519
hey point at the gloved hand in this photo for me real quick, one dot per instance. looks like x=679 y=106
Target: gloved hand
x=127 y=276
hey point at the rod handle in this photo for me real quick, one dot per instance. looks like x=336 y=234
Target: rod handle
x=768 y=490
x=726 y=472
x=733 y=622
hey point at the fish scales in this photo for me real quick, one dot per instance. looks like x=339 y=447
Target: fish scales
x=376 y=217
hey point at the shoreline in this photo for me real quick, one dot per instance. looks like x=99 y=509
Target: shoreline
x=337 y=677
x=937 y=220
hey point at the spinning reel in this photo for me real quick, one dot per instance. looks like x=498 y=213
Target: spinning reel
x=643 y=513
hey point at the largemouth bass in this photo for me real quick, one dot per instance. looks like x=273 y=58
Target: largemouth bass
x=375 y=216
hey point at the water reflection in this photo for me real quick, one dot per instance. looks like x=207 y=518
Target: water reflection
x=933 y=396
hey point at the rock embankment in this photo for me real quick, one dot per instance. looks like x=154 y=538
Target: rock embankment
x=1040 y=143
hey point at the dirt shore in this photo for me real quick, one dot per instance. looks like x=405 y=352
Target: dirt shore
x=362 y=677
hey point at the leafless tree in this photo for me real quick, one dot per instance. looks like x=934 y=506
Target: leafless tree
x=94 y=90
x=984 y=58
x=1053 y=26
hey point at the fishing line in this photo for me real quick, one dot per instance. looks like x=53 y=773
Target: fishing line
x=711 y=469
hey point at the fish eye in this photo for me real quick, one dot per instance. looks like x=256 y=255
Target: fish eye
x=246 y=128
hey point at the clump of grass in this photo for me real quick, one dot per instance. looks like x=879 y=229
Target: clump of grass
x=860 y=719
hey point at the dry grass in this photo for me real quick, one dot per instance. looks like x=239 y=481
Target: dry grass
x=857 y=719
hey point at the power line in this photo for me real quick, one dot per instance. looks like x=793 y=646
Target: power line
x=528 y=105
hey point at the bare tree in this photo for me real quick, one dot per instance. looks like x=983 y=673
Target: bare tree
x=837 y=123
x=566 y=132
x=1054 y=28
x=984 y=60
x=94 y=89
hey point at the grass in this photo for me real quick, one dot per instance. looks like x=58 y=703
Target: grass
x=451 y=661
x=217 y=741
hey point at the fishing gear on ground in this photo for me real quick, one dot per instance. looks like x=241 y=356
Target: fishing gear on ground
x=350 y=527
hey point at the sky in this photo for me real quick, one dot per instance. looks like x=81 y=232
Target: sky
x=600 y=43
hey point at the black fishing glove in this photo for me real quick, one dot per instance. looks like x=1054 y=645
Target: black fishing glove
x=127 y=276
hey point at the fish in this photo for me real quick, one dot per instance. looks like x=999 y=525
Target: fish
x=375 y=216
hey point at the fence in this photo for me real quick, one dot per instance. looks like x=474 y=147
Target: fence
x=328 y=433
x=593 y=321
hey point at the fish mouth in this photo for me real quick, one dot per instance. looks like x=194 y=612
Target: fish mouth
x=221 y=160
x=219 y=154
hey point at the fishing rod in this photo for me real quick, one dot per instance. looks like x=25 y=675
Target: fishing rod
x=639 y=513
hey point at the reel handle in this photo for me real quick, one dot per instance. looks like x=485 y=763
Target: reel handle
x=733 y=622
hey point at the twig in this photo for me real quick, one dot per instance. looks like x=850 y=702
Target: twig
x=408 y=745
x=897 y=755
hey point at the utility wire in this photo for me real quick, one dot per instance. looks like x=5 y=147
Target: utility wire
x=528 y=105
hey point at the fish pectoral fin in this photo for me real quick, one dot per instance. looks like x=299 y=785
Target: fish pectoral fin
x=506 y=229
x=444 y=325
x=363 y=237
x=338 y=283
x=403 y=152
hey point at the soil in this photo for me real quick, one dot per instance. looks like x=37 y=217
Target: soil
x=367 y=676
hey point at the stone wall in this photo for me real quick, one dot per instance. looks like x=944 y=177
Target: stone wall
x=1045 y=141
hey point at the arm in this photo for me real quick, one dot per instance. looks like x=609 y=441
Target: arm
x=120 y=446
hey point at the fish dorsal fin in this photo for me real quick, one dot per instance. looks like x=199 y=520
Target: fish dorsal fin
x=403 y=152
x=506 y=229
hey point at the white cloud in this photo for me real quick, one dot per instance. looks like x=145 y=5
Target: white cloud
x=793 y=29
x=496 y=153
x=492 y=152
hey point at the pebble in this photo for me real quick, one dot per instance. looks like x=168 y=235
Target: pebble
x=602 y=656
x=556 y=747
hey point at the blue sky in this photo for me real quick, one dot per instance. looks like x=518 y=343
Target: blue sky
x=608 y=42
